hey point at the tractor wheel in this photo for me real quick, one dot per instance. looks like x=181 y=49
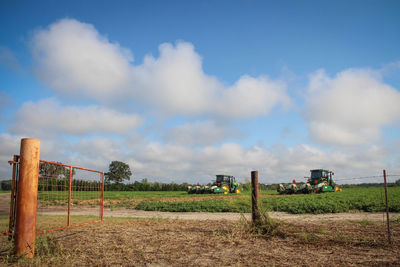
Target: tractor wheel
x=226 y=188
x=237 y=191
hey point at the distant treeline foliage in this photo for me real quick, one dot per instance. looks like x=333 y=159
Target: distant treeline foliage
x=6 y=185
x=144 y=185
x=62 y=184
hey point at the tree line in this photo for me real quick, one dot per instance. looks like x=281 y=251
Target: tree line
x=58 y=180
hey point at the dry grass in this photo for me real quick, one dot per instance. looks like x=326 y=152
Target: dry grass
x=156 y=242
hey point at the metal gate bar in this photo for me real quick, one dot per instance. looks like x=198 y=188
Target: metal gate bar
x=14 y=185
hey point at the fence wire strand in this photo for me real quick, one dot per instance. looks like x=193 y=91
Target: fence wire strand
x=57 y=194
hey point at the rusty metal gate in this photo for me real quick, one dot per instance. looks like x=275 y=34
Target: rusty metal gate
x=68 y=196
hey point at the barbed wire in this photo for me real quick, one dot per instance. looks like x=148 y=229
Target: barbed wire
x=360 y=178
x=393 y=175
x=389 y=178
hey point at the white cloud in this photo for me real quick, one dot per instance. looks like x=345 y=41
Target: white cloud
x=178 y=163
x=277 y=164
x=350 y=108
x=9 y=146
x=250 y=97
x=50 y=117
x=175 y=81
x=199 y=133
x=73 y=57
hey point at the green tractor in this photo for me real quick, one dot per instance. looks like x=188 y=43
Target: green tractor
x=320 y=181
x=223 y=184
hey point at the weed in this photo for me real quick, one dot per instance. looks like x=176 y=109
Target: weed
x=307 y=237
x=46 y=246
x=264 y=226
x=320 y=230
x=367 y=223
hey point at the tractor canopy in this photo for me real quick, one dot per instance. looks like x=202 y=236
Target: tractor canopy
x=320 y=175
x=224 y=178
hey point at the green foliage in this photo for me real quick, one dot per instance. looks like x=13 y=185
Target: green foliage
x=6 y=185
x=361 y=199
x=118 y=172
x=144 y=185
x=62 y=184
x=265 y=226
x=145 y=194
x=46 y=246
x=52 y=170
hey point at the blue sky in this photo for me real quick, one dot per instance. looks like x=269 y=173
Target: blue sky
x=183 y=90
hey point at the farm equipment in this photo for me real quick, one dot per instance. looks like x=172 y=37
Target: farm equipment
x=320 y=181
x=223 y=184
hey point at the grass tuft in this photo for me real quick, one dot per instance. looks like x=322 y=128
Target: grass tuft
x=265 y=226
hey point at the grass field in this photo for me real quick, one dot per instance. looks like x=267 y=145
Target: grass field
x=167 y=242
x=351 y=199
x=173 y=242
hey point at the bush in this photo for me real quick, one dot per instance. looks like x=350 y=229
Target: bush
x=6 y=185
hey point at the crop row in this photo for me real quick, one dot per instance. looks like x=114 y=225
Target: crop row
x=360 y=199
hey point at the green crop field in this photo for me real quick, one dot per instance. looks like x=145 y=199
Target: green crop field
x=361 y=199
x=350 y=199
x=60 y=195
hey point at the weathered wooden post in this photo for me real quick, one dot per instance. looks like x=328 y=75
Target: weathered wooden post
x=255 y=212
x=387 y=208
x=25 y=226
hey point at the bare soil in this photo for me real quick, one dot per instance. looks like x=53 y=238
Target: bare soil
x=140 y=238
x=168 y=242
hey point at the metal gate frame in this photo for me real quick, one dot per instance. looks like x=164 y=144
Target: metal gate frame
x=14 y=185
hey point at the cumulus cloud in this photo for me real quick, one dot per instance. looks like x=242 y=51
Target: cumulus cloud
x=178 y=163
x=175 y=81
x=50 y=117
x=199 y=133
x=351 y=108
x=276 y=164
x=73 y=57
x=250 y=97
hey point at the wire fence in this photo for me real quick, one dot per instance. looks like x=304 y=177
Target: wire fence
x=378 y=179
x=68 y=196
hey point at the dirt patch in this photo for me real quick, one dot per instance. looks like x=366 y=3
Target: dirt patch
x=142 y=238
x=150 y=242
x=4 y=204
x=230 y=216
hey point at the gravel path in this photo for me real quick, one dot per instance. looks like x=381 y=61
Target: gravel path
x=230 y=216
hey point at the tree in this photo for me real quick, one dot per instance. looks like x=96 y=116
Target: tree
x=48 y=170
x=118 y=172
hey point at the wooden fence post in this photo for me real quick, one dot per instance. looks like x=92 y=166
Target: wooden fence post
x=387 y=208
x=255 y=212
x=25 y=225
